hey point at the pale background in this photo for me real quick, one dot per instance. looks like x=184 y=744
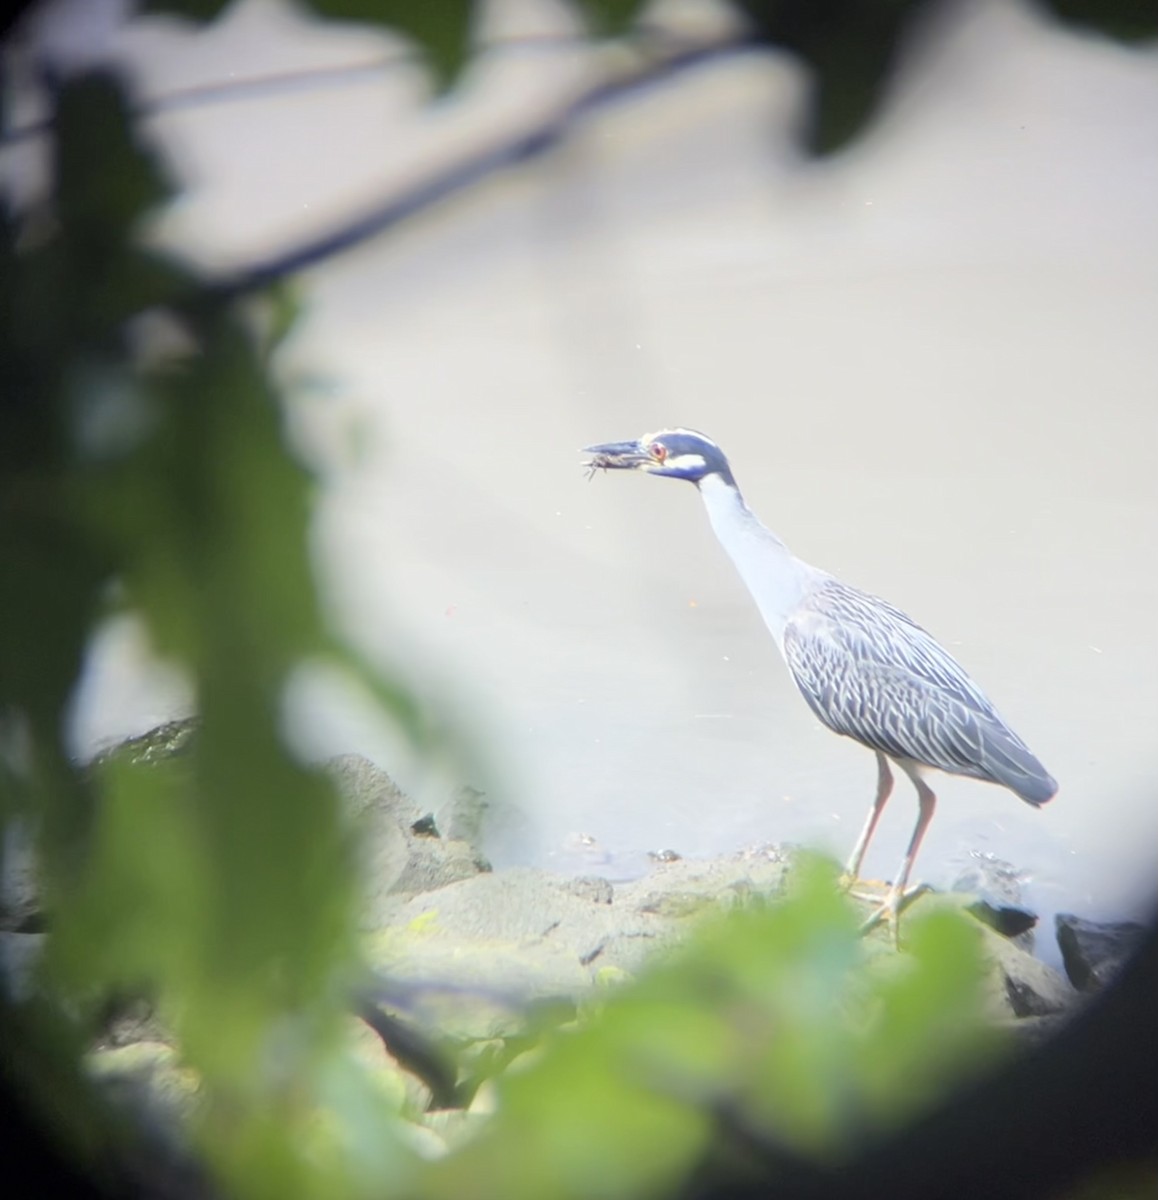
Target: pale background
x=931 y=361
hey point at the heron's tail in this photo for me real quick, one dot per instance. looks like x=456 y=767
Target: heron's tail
x=1010 y=763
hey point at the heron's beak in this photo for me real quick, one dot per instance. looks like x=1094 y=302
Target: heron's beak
x=616 y=456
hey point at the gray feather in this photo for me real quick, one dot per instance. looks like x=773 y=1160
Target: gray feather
x=868 y=671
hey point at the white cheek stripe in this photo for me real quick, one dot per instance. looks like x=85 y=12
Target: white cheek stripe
x=685 y=462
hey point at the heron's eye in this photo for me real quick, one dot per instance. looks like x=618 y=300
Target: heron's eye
x=658 y=451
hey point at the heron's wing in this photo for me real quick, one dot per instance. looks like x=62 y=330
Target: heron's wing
x=870 y=672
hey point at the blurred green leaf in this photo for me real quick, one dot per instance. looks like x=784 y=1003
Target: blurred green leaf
x=441 y=31
x=773 y=1023
x=223 y=882
x=851 y=48
x=1128 y=20
x=283 y=307
x=610 y=18
x=196 y=10
x=103 y=181
x=927 y=1025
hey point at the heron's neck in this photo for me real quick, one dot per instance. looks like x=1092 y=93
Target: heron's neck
x=777 y=579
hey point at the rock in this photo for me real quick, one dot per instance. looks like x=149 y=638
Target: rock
x=146 y=1077
x=366 y=787
x=425 y=827
x=128 y=1019
x=996 y=885
x=518 y=914
x=19 y=901
x=453 y=1127
x=1027 y=985
x=490 y=944
x=1093 y=951
x=477 y=954
x=432 y=863
x=20 y=910
x=1020 y=986
x=402 y=1091
x=465 y=815
x=149 y=1085
x=590 y=887
x=423 y=1141
x=1029 y=1033
x=1017 y=924
x=164 y=742
x=401 y=849
x=685 y=887
x=19 y=953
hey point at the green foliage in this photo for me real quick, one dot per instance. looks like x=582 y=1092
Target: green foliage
x=194 y=10
x=611 y=18
x=850 y=48
x=773 y=1025
x=219 y=882
x=441 y=30
x=1130 y=20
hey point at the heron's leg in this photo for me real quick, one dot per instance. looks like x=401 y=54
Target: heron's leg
x=898 y=897
x=884 y=790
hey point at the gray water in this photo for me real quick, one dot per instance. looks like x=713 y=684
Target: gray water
x=930 y=360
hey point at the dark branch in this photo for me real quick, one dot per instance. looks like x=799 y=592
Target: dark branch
x=511 y=151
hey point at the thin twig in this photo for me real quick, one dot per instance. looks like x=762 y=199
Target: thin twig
x=230 y=91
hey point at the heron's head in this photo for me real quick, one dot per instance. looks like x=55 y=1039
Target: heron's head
x=676 y=453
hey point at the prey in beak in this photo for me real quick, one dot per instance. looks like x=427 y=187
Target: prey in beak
x=616 y=456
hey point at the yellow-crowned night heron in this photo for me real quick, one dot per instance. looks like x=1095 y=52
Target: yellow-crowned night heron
x=867 y=670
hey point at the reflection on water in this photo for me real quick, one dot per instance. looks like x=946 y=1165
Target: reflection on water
x=930 y=363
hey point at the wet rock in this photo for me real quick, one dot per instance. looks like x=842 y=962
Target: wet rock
x=425 y=827
x=1031 y=988
x=996 y=884
x=1093 y=951
x=1017 y=924
x=1019 y=985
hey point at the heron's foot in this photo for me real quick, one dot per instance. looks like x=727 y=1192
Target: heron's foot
x=890 y=911
x=863 y=889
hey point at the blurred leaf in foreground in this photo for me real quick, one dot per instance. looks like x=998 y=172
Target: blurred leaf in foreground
x=220 y=883
x=774 y=1024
